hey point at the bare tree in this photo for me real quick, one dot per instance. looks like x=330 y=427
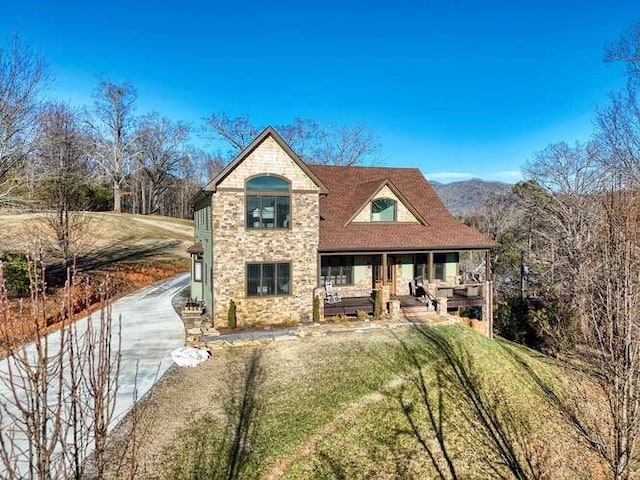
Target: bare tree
x=627 y=50
x=160 y=145
x=23 y=76
x=332 y=145
x=196 y=168
x=61 y=156
x=346 y=146
x=58 y=391
x=237 y=132
x=589 y=235
x=113 y=125
x=618 y=135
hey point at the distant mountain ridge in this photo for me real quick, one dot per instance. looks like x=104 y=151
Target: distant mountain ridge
x=461 y=198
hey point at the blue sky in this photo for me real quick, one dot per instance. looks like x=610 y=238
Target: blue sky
x=457 y=89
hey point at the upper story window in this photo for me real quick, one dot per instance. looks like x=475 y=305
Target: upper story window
x=383 y=210
x=268 y=202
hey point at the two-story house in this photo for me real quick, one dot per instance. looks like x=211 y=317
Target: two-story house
x=270 y=231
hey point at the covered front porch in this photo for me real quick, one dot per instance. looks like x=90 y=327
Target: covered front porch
x=443 y=280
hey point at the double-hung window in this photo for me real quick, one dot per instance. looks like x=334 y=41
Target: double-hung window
x=268 y=279
x=268 y=202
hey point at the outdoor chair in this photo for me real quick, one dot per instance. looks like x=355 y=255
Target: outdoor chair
x=331 y=295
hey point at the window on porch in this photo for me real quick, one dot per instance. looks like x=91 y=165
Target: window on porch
x=421 y=268
x=336 y=269
x=445 y=266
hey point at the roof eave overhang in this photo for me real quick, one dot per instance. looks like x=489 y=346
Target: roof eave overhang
x=200 y=195
x=441 y=248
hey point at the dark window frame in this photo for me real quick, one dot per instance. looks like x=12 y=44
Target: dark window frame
x=390 y=200
x=277 y=281
x=198 y=261
x=257 y=197
x=335 y=273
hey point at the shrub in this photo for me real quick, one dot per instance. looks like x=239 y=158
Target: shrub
x=556 y=323
x=511 y=321
x=362 y=315
x=231 y=315
x=316 y=309
x=100 y=198
x=16 y=272
x=547 y=323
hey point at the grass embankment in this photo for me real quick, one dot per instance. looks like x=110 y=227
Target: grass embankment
x=351 y=406
x=131 y=251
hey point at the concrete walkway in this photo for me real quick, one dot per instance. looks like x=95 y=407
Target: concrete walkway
x=151 y=329
x=265 y=336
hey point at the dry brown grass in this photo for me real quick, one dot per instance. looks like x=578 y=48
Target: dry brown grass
x=105 y=232
x=131 y=251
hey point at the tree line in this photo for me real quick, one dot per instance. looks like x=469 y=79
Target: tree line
x=108 y=156
x=568 y=267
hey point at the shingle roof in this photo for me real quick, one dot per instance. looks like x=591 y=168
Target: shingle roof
x=348 y=189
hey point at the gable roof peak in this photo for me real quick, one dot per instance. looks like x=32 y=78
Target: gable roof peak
x=269 y=131
x=373 y=187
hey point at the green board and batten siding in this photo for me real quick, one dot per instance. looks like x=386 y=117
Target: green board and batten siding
x=202 y=227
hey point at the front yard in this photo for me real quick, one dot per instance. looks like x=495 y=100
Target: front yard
x=361 y=406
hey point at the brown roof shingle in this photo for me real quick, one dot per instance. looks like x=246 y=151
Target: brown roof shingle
x=348 y=189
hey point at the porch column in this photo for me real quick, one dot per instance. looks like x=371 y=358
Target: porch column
x=384 y=268
x=487 y=267
x=431 y=272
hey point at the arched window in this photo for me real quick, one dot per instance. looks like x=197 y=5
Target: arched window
x=383 y=210
x=268 y=202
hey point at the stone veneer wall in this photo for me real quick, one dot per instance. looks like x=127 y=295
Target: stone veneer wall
x=235 y=246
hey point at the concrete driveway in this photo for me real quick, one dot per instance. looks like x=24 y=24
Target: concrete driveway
x=151 y=329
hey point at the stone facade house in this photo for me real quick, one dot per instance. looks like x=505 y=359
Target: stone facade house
x=271 y=231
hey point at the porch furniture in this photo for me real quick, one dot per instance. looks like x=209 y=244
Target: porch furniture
x=468 y=291
x=349 y=306
x=445 y=292
x=331 y=295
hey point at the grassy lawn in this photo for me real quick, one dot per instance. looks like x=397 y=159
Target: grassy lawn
x=357 y=406
x=102 y=236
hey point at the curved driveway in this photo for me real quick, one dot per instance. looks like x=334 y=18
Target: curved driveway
x=151 y=329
